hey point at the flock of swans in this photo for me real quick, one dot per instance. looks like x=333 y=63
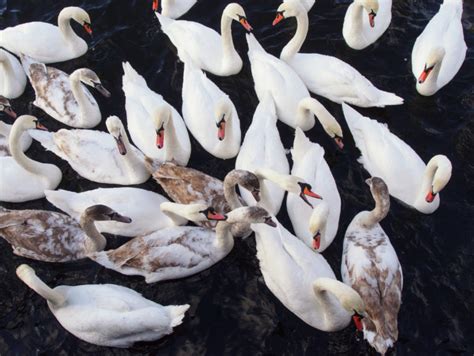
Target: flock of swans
x=163 y=246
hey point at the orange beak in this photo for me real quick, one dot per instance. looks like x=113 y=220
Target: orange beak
x=317 y=241
x=212 y=215
x=430 y=197
x=155 y=5
x=221 y=130
x=120 y=145
x=88 y=28
x=278 y=18
x=372 y=18
x=243 y=21
x=358 y=322
x=311 y=194
x=160 y=138
x=424 y=75
x=40 y=127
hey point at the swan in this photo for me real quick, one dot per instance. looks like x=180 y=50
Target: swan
x=262 y=148
x=21 y=178
x=155 y=126
x=303 y=281
x=186 y=185
x=386 y=156
x=294 y=105
x=440 y=50
x=173 y=8
x=307 y=4
x=62 y=96
x=106 y=314
x=210 y=51
x=370 y=265
x=5 y=129
x=138 y=204
x=209 y=114
x=47 y=43
x=315 y=227
x=12 y=76
x=326 y=75
x=182 y=251
x=98 y=156
x=360 y=30
x=54 y=237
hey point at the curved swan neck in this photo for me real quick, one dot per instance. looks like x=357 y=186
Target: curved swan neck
x=96 y=241
x=174 y=212
x=317 y=109
x=356 y=18
x=17 y=153
x=79 y=94
x=52 y=296
x=294 y=46
x=64 y=24
x=226 y=37
x=224 y=237
x=230 y=182
x=5 y=63
x=382 y=206
x=327 y=296
x=428 y=177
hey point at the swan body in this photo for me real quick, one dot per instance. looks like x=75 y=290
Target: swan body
x=54 y=237
x=138 y=204
x=370 y=265
x=262 y=148
x=98 y=156
x=186 y=185
x=384 y=155
x=303 y=281
x=47 y=43
x=209 y=114
x=326 y=75
x=62 y=96
x=21 y=178
x=151 y=119
x=309 y=164
x=178 y=252
x=210 y=51
x=365 y=21
x=174 y=8
x=294 y=105
x=440 y=50
x=12 y=76
x=106 y=314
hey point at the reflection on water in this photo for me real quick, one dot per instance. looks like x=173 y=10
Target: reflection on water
x=232 y=311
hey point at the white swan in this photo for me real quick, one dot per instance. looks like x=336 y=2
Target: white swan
x=307 y=4
x=209 y=114
x=12 y=76
x=63 y=96
x=209 y=50
x=173 y=8
x=5 y=129
x=142 y=206
x=326 y=75
x=384 y=155
x=47 y=43
x=440 y=50
x=98 y=156
x=155 y=126
x=315 y=227
x=182 y=251
x=303 y=281
x=262 y=148
x=370 y=265
x=361 y=29
x=294 y=105
x=50 y=236
x=21 y=178
x=106 y=314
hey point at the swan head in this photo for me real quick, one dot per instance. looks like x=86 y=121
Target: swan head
x=317 y=223
x=250 y=215
x=380 y=193
x=89 y=77
x=115 y=128
x=290 y=8
x=6 y=107
x=245 y=179
x=435 y=57
x=161 y=118
x=80 y=16
x=334 y=130
x=372 y=8
x=223 y=113
x=237 y=13
x=193 y=212
x=28 y=122
x=441 y=176
x=104 y=213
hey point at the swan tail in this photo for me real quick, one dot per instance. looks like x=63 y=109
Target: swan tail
x=177 y=313
x=387 y=99
x=27 y=62
x=269 y=106
x=377 y=336
x=301 y=144
x=254 y=45
x=152 y=165
x=46 y=139
x=130 y=75
x=62 y=199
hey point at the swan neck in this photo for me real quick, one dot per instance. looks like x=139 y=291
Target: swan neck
x=96 y=241
x=325 y=296
x=173 y=211
x=317 y=109
x=64 y=24
x=224 y=237
x=226 y=37
x=230 y=194
x=6 y=64
x=357 y=23
x=79 y=95
x=294 y=46
x=52 y=296
x=373 y=217
x=427 y=182
x=17 y=153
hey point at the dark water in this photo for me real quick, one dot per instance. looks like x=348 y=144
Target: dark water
x=232 y=311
